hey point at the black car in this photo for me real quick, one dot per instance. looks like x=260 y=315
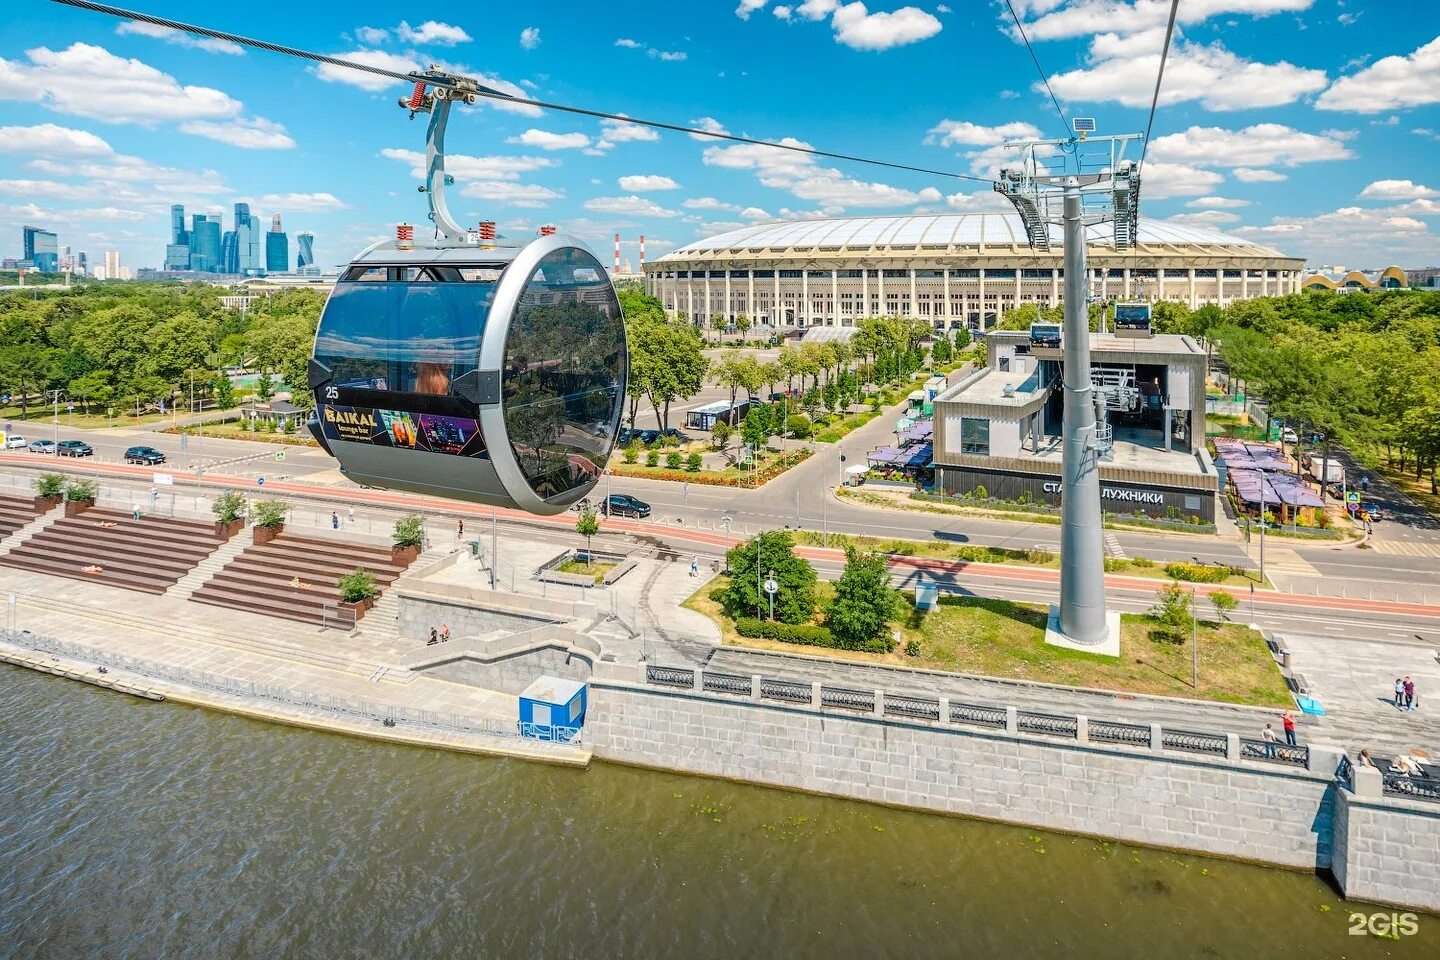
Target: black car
x=74 y=448
x=648 y=436
x=624 y=505
x=146 y=455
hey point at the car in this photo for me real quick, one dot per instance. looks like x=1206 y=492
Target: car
x=648 y=436
x=42 y=446
x=624 y=505
x=1289 y=436
x=146 y=455
x=74 y=448
x=1373 y=512
x=13 y=441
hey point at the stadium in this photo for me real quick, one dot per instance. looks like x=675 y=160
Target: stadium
x=954 y=269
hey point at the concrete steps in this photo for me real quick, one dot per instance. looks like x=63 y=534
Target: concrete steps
x=113 y=548
x=382 y=623
x=183 y=588
x=17 y=527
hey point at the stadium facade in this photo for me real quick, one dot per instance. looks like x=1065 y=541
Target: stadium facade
x=952 y=269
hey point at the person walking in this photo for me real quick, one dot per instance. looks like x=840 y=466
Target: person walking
x=694 y=566
x=1268 y=735
x=434 y=637
x=444 y=633
x=334 y=520
x=1399 y=693
x=1409 y=686
x=459 y=530
x=352 y=514
x=1365 y=484
x=1288 y=722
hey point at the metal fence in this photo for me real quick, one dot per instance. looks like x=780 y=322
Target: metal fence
x=1109 y=731
x=1251 y=749
x=386 y=714
x=1403 y=785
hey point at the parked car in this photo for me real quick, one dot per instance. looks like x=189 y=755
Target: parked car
x=13 y=441
x=1373 y=512
x=42 y=446
x=648 y=436
x=1289 y=436
x=624 y=505
x=146 y=455
x=74 y=448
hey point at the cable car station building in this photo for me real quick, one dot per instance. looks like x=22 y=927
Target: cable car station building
x=953 y=269
x=999 y=427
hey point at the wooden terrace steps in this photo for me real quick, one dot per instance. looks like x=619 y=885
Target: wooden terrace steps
x=15 y=512
x=262 y=579
x=147 y=555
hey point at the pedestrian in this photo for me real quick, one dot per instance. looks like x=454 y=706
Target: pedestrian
x=1399 y=693
x=445 y=633
x=1288 y=721
x=434 y=637
x=1365 y=760
x=694 y=566
x=1409 y=694
x=135 y=515
x=1268 y=735
x=460 y=529
x=352 y=514
x=334 y=520
x=1365 y=484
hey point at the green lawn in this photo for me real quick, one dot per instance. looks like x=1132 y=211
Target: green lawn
x=999 y=638
x=233 y=430
x=837 y=430
x=598 y=569
x=43 y=418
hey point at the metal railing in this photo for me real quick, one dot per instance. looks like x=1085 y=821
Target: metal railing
x=1193 y=741
x=724 y=683
x=1109 y=731
x=1405 y=785
x=1048 y=724
x=388 y=714
x=923 y=708
x=672 y=676
x=1345 y=773
x=787 y=690
x=1272 y=750
x=977 y=716
x=847 y=698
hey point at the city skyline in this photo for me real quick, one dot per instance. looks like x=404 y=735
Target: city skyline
x=1270 y=126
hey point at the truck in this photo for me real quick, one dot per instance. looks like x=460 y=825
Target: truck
x=1325 y=471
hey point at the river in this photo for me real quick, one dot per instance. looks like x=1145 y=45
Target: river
x=132 y=829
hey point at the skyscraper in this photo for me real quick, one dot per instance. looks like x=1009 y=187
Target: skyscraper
x=247 y=241
x=113 y=270
x=205 y=243
x=42 y=249
x=177 y=222
x=229 y=254
x=277 y=248
x=306 y=256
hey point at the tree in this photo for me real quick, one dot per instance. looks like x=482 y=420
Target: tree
x=587 y=525
x=755 y=429
x=223 y=391
x=409 y=531
x=1223 y=602
x=941 y=351
x=270 y=513
x=667 y=362
x=769 y=554
x=229 y=506
x=265 y=386
x=357 y=586
x=864 y=603
x=720 y=434
x=962 y=337
x=1172 y=609
x=742 y=323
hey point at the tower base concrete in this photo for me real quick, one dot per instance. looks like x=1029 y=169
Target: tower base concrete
x=1109 y=647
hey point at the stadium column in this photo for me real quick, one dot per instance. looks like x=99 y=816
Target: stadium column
x=805 y=296
x=729 y=303
x=864 y=292
x=945 y=292
x=1127 y=293
x=914 y=300
x=880 y=281
x=690 y=297
x=778 y=309
x=1192 y=288
x=750 y=292
x=1244 y=283
x=1054 y=285
x=983 y=324
x=835 y=296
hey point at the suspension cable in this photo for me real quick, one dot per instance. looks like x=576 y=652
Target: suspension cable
x=498 y=95
x=1159 y=76
x=1064 y=120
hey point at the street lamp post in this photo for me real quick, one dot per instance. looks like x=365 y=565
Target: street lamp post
x=770 y=587
x=1194 y=643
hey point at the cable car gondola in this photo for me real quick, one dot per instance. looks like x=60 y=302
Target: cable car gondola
x=1132 y=320
x=468 y=367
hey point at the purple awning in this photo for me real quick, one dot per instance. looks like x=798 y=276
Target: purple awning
x=1253 y=486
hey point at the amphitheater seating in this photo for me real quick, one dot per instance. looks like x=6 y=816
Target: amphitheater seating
x=294 y=577
x=148 y=554
x=15 y=512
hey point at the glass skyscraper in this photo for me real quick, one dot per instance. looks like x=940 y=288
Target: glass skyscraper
x=205 y=243
x=42 y=249
x=277 y=248
x=177 y=222
x=306 y=256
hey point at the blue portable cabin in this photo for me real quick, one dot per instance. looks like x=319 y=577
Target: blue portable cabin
x=553 y=708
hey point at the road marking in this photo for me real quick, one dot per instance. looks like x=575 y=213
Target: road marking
x=1288 y=561
x=1112 y=547
x=1406 y=549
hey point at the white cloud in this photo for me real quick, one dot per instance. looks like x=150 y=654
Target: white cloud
x=508 y=88
x=748 y=7
x=618 y=131
x=1251 y=175
x=1058 y=21
x=754 y=214
x=464 y=167
x=1260 y=145
x=1391 y=83
x=90 y=81
x=802 y=177
x=859 y=29
x=1162 y=180
x=1205 y=218
x=628 y=43
x=667 y=55
x=1397 y=190
x=433 y=32
x=50 y=140
x=1354 y=235
x=647 y=183
x=1218 y=79
x=979 y=201
x=1404 y=223
x=708 y=203
x=257 y=134
x=300 y=202
x=782 y=12
x=513 y=194
x=708 y=124
x=632 y=206
x=546 y=140
x=530 y=38
x=711 y=228
x=394 y=62
x=949 y=133
x=1217 y=203
x=1346 y=19
x=1391 y=121
x=179 y=38
x=372 y=36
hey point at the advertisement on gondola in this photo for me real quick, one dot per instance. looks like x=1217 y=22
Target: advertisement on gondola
x=455 y=436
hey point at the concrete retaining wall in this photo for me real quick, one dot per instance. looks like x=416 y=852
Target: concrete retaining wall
x=1388 y=850
x=419 y=613
x=1238 y=808
x=512 y=673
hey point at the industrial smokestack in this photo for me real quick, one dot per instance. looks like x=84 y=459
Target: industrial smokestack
x=487 y=229
x=617 y=254
x=642 y=253
x=547 y=230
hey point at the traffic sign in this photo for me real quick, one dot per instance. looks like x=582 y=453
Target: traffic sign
x=1352 y=497
x=259 y=481
x=279 y=456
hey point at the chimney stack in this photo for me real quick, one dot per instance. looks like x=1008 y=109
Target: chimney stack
x=642 y=253
x=617 y=255
x=487 y=229
x=404 y=236
x=547 y=230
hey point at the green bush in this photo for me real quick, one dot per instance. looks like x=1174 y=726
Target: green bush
x=1197 y=572
x=229 y=506
x=692 y=463
x=799 y=426
x=1142 y=562
x=50 y=485
x=805 y=633
x=673 y=460
x=652 y=458
x=82 y=489
x=980 y=493
x=270 y=513
x=1112 y=564
x=357 y=586
x=631 y=451
x=409 y=531
x=912 y=649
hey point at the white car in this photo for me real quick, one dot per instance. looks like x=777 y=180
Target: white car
x=1289 y=436
x=13 y=441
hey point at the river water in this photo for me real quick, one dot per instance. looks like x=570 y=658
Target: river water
x=131 y=829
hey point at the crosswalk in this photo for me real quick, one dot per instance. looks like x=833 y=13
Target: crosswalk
x=1113 y=547
x=1285 y=560
x=1406 y=548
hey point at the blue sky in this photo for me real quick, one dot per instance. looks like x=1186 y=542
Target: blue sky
x=1311 y=125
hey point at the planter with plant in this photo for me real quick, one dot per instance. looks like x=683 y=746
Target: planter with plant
x=269 y=517
x=409 y=537
x=229 y=510
x=49 y=490
x=80 y=495
x=358 y=591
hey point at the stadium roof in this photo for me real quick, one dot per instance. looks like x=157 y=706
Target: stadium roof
x=939 y=232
